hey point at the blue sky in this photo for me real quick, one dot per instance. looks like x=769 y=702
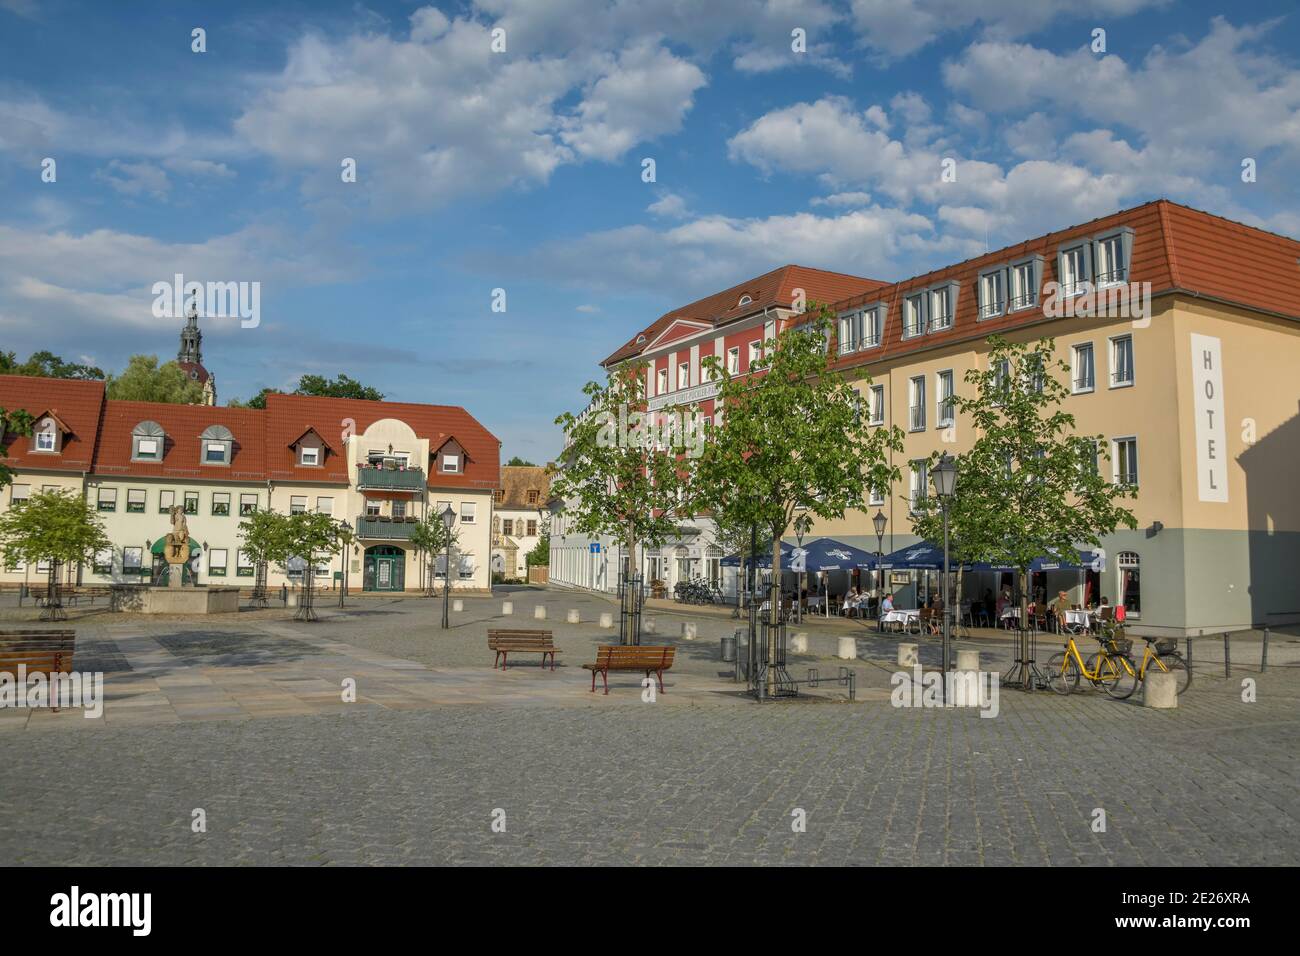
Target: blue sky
x=521 y=170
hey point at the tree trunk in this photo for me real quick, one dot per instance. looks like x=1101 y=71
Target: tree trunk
x=1024 y=627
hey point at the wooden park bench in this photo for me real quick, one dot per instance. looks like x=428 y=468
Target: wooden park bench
x=651 y=659
x=521 y=641
x=43 y=652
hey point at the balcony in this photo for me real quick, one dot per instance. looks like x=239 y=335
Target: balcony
x=389 y=479
x=385 y=528
x=916 y=418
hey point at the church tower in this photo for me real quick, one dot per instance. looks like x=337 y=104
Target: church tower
x=190 y=357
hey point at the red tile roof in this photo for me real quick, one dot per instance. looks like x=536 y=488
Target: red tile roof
x=770 y=290
x=182 y=450
x=1175 y=248
x=102 y=432
x=74 y=402
x=288 y=416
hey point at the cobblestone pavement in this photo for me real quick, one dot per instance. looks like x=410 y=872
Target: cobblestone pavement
x=697 y=777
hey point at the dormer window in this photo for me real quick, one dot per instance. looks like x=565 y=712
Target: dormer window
x=48 y=433
x=310 y=449
x=308 y=456
x=147 y=442
x=746 y=300
x=218 y=443
x=47 y=439
x=451 y=464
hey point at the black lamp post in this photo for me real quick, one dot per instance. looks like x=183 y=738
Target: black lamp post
x=347 y=534
x=880 y=521
x=945 y=483
x=448 y=517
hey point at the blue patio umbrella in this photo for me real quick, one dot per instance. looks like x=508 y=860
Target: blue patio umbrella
x=1088 y=561
x=827 y=554
x=764 y=560
x=922 y=556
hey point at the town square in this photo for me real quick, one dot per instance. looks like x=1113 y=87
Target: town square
x=751 y=433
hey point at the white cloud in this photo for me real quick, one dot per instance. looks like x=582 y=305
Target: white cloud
x=668 y=206
x=135 y=179
x=900 y=27
x=843 y=200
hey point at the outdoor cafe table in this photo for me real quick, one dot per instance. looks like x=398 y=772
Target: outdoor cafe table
x=900 y=617
x=1078 y=618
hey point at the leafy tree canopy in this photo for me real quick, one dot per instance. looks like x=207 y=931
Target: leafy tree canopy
x=47 y=365
x=339 y=387
x=145 y=380
x=15 y=424
x=517 y=462
x=53 y=526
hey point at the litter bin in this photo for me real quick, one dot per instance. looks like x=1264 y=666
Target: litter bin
x=729 y=649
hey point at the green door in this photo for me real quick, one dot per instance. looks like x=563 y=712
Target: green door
x=385 y=569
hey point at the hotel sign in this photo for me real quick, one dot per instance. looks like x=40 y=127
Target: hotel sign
x=685 y=396
x=1211 y=429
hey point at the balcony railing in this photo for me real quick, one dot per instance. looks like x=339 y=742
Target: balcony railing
x=385 y=528
x=390 y=479
x=916 y=418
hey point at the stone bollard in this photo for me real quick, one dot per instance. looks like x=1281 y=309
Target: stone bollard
x=689 y=630
x=539 y=612
x=1160 y=689
x=907 y=656
x=968 y=660
x=650 y=625
x=458 y=605
x=847 y=649
x=606 y=619
x=799 y=643
x=573 y=617
x=507 y=608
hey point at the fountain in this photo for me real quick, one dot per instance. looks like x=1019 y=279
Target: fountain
x=175 y=597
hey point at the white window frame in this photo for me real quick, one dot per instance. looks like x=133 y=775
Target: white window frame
x=309 y=456
x=1114 y=341
x=873 y=326
x=325 y=510
x=134 y=497
x=1024 y=277
x=128 y=568
x=297 y=504
x=50 y=433
x=945 y=413
x=941 y=320
x=985 y=308
x=219 y=570
x=106 y=496
x=661 y=381
x=1082 y=276
x=1115 y=444
x=918 y=484
x=755 y=352
x=17 y=500
x=244 y=500
x=683 y=375
x=1076 y=352
x=450 y=464
x=877 y=411
x=850 y=334
x=1112 y=253
x=166 y=501
x=733 y=360
x=914 y=312
x=468 y=512
x=916 y=403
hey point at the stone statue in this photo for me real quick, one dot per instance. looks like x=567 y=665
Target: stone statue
x=178 y=539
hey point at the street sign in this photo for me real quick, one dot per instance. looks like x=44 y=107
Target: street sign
x=595 y=547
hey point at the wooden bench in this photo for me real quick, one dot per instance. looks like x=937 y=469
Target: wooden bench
x=521 y=641
x=70 y=596
x=43 y=652
x=651 y=659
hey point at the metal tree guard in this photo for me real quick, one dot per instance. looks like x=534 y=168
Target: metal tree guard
x=53 y=610
x=631 y=602
x=259 y=598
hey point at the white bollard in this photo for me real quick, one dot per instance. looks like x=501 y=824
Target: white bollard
x=573 y=617
x=848 y=649
x=651 y=626
x=799 y=643
x=968 y=661
x=1160 y=689
x=688 y=630
x=606 y=619
x=907 y=656
x=539 y=612
x=458 y=605
x=507 y=608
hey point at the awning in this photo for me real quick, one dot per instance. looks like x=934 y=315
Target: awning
x=827 y=554
x=1088 y=561
x=764 y=560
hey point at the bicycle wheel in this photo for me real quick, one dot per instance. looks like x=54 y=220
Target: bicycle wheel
x=1176 y=665
x=1062 y=673
x=1120 y=676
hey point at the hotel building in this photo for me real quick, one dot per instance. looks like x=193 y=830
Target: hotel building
x=381 y=466
x=1197 y=394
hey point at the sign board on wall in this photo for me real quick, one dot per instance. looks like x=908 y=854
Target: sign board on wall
x=1211 y=429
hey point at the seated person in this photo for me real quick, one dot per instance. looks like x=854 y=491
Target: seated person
x=887 y=604
x=851 y=600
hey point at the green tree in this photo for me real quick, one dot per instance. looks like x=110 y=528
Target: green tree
x=540 y=556
x=793 y=437
x=15 y=424
x=257 y=401
x=57 y=526
x=145 y=380
x=517 y=462
x=613 y=478
x=47 y=365
x=339 y=387
x=1037 y=484
x=431 y=538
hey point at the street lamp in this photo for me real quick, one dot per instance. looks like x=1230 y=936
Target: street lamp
x=880 y=521
x=343 y=558
x=945 y=484
x=448 y=517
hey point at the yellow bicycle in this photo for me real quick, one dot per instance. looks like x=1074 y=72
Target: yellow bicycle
x=1162 y=655
x=1108 y=668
